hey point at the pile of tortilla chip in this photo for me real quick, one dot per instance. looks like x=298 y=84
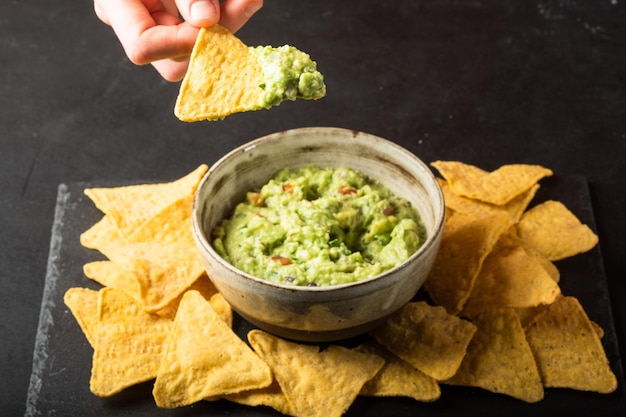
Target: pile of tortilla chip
x=495 y=268
x=497 y=321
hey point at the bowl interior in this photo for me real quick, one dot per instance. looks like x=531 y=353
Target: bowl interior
x=251 y=166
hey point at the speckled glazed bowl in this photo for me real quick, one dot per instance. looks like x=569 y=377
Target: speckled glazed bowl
x=317 y=314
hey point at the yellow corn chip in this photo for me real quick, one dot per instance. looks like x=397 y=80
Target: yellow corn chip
x=427 y=337
x=83 y=303
x=568 y=351
x=499 y=358
x=154 y=274
x=223 y=78
x=205 y=358
x=161 y=282
x=206 y=288
x=102 y=234
x=171 y=225
x=162 y=271
x=222 y=308
x=130 y=206
x=497 y=187
x=477 y=208
x=510 y=278
x=398 y=378
x=555 y=231
x=464 y=246
x=527 y=315
x=598 y=329
x=547 y=265
x=271 y=396
x=128 y=344
x=316 y=383
x=114 y=275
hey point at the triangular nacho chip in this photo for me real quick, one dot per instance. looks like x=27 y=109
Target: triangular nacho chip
x=398 y=378
x=499 y=358
x=205 y=358
x=497 y=187
x=152 y=273
x=83 y=303
x=509 y=277
x=568 y=350
x=477 y=208
x=114 y=275
x=464 y=246
x=130 y=206
x=316 y=383
x=223 y=78
x=126 y=337
x=553 y=230
x=427 y=337
x=271 y=396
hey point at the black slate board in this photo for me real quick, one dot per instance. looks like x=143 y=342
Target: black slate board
x=59 y=384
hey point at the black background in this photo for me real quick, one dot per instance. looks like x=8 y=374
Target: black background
x=486 y=82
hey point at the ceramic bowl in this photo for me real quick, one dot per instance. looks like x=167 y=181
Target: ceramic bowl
x=326 y=313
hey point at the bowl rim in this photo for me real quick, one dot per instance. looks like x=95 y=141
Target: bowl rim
x=201 y=237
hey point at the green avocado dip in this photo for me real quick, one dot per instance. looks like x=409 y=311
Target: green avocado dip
x=288 y=74
x=319 y=227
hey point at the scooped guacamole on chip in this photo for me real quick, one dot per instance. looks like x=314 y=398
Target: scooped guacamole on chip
x=317 y=227
x=288 y=74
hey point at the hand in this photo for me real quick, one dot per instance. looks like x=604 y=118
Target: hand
x=151 y=31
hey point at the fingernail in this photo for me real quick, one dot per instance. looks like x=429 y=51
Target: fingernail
x=202 y=10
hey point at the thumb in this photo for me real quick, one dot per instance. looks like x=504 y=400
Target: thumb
x=200 y=13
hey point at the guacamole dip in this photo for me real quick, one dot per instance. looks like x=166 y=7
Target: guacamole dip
x=317 y=227
x=289 y=74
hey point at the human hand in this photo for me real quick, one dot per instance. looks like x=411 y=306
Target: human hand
x=151 y=31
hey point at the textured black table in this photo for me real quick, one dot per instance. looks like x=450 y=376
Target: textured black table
x=486 y=82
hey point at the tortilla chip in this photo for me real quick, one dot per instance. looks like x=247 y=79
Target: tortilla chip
x=316 y=383
x=547 y=264
x=398 y=378
x=223 y=78
x=271 y=396
x=461 y=254
x=130 y=206
x=510 y=278
x=114 y=275
x=222 y=308
x=477 y=208
x=499 y=358
x=498 y=187
x=206 y=288
x=568 y=351
x=83 y=303
x=128 y=344
x=555 y=231
x=527 y=315
x=102 y=234
x=170 y=225
x=427 y=337
x=205 y=358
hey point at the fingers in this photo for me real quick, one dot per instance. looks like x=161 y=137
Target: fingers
x=235 y=13
x=150 y=31
x=200 y=13
x=162 y=42
x=100 y=13
x=171 y=70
